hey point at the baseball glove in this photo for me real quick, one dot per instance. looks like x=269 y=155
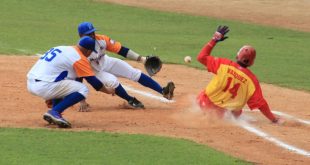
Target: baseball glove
x=152 y=64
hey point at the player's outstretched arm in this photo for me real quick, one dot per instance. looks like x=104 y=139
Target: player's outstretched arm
x=135 y=56
x=130 y=54
x=205 y=52
x=84 y=106
x=218 y=36
x=220 y=33
x=267 y=112
x=95 y=83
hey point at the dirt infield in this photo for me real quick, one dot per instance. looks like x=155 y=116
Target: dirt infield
x=180 y=119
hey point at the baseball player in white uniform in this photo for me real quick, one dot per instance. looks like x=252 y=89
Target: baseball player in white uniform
x=53 y=78
x=107 y=69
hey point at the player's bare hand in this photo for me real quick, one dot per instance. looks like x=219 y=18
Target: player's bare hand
x=142 y=59
x=84 y=106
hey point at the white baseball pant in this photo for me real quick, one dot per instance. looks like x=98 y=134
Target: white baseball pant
x=113 y=68
x=56 y=90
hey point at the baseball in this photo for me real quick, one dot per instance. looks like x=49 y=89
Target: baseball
x=187 y=59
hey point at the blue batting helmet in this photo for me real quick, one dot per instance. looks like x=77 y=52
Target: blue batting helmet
x=88 y=43
x=86 y=28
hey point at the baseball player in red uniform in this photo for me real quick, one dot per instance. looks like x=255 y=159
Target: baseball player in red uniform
x=233 y=84
x=53 y=78
x=107 y=69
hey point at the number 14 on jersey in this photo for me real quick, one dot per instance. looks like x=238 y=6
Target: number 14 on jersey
x=234 y=90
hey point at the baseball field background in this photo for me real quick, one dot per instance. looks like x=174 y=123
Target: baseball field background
x=172 y=29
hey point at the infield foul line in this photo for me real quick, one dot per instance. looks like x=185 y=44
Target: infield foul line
x=161 y=99
x=287 y=116
x=242 y=124
x=292 y=117
x=279 y=143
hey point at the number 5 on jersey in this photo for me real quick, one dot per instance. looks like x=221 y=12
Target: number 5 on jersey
x=50 y=55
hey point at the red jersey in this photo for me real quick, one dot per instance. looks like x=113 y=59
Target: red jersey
x=232 y=85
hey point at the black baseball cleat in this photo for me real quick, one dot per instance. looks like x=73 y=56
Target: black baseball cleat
x=168 y=90
x=135 y=104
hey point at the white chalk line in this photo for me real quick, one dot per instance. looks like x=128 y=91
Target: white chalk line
x=279 y=143
x=243 y=124
x=292 y=117
x=22 y=50
x=161 y=99
x=286 y=116
x=36 y=55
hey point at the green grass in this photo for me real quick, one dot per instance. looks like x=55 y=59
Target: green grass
x=29 y=27
x=28 y=146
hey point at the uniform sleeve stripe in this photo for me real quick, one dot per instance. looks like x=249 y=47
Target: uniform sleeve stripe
x=112 y=46
x=82 y=67
x=123 y=51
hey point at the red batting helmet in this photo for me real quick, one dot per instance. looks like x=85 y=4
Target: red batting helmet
x=246 y=55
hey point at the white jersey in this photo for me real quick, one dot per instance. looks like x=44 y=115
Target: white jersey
x=103 y=44
x=59 y=63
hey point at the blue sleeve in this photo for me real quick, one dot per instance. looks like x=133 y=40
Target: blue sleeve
x=123 y=51
x=94 y=82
